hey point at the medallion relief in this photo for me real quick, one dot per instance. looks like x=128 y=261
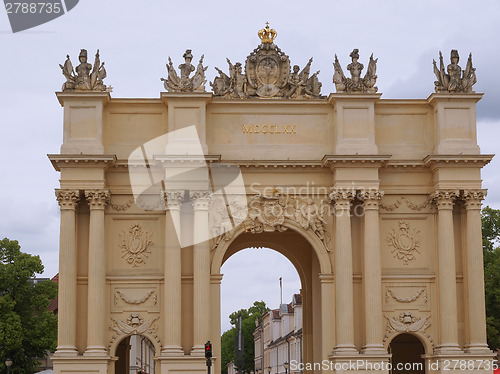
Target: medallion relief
x=135 y=245
x=405 y=242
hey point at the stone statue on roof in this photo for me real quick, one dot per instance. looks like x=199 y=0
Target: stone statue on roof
x=355 y=84
x=87 y=77
x=185 y=83
x=453 y=79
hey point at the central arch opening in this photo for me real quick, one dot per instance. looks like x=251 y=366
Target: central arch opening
x=302 y=260
x=135 y=356
x=252 y=277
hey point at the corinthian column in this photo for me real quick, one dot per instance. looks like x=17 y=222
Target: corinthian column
x=172 y=287
x=68 y=200
x=97 y=200
x=201 y=274
x=447 y=277
x=372 y=274
x=344 y=302
x=476 y=341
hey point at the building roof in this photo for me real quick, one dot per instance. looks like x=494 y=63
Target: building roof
x=276 y=314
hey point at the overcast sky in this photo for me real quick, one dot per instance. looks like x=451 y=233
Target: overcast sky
x=135 y=39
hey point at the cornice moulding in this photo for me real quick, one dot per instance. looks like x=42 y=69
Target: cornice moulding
x=434 y=161
x=175 y=96
x=435 y=97
x=61 y=161
x=82 y=96
x=353 y=97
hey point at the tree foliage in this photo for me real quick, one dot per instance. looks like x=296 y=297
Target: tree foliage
x=248 y=317
x=27 y=328
x=491 y=249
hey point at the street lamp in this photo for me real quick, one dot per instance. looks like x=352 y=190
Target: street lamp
x=8 y=363
x=286 y=365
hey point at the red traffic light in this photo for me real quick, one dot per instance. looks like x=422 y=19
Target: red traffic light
x=208 y=349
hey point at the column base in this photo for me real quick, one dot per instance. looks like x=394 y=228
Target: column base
x=172 y=351
x=198 y=351
x=182 y=365
x=374 y=349
x=96 y=351
x=448 y=349
x=345 y=349
x=66 y=351
x=477 y=349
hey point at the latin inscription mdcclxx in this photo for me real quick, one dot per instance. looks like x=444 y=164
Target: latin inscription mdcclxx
x=269 y=129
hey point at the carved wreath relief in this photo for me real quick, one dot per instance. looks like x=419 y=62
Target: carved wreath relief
x=405 y=242
x=135 y=245
x=121 y=295
x=390 y=293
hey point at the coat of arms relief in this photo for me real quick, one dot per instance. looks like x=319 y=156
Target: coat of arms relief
x=267 y=74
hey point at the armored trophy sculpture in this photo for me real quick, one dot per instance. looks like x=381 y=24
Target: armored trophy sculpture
x=453 y=79
x=355 y=84
x=87 y=78
x=267 y=75
x=185 y=83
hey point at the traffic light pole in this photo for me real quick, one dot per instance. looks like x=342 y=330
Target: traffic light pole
x=209 y=364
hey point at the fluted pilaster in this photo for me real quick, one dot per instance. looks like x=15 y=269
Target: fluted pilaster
x=372 y=274
x=97 y=199
x=68 y=200
x=201 y=265
x=172 y=287
x=344 y=298
x=447 y=278
x=476 y=341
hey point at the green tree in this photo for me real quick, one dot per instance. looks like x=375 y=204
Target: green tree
x=248 y=317
x=27 y=327
x=491 y=249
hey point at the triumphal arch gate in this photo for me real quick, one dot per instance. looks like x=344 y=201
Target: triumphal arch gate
x=375 y=201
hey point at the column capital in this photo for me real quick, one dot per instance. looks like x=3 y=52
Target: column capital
x=444 y=199
x=202 y=200
x=342 y=196
x=97 y=199
x=173 y=199
x=473 y=198
x=371 y=198
x=67 y=199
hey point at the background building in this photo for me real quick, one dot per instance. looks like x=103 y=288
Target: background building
x=278 y=340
